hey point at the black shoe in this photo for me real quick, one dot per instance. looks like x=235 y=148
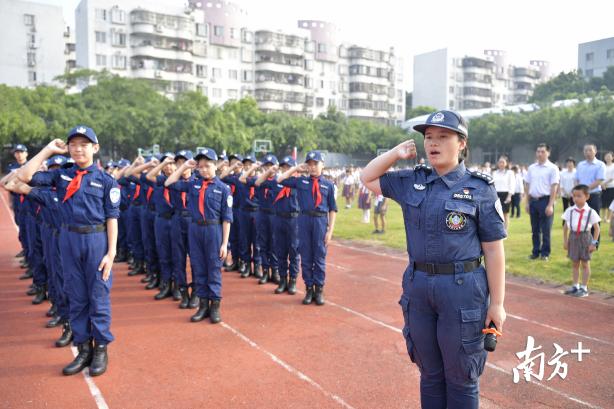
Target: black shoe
x=533 y=257
x=233 y=267
x=54 y=322
x=214 y=312
x=283 y=285
x=81 y=361
x=259 y=272
x=203 y=311
x=194 y=300
x=247 y=270
x=120 y=257
x=292 y=286
x=275 y=275
x=27 y=275
x=155 y=282
x=139 y=268
x=165 y=291
x=32 y=290
x=185 y=298
x=100 y=360
x=66 y=337
x=23 y=263
x=319 y=295
x=264 y=277
x=41 y=295
x=308 y=296
x=148 y=277
x=242 y=267
x=175 y=291
x=52 y=311
x=20 y=254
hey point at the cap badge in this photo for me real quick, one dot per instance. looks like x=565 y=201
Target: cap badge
x=81 y=129
x=438 y=117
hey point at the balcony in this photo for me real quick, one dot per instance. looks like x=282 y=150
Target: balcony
x=281 y=106
x=286 y=48
x=275 y=66
x=155 y=74
x=162 y=53
x=184 y=33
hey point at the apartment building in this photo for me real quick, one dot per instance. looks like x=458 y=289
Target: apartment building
x=594 y=57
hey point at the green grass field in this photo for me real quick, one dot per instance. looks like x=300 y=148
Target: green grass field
x=517 y=246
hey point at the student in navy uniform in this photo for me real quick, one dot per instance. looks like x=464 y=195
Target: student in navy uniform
x=452 y=217
x=316 y=223
x=210 y=205
x=285 y=225
x=20 y=153
x=161 y=198
x=36 y=260
x=234 y=240
x=137 y=204
x=90 y=208
x=268 y=269
x=123 y=243
x=179 y=232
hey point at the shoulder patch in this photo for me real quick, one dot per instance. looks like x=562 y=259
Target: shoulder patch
x=424 y=168
x=486 y=178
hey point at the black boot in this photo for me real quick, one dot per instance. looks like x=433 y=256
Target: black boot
x=54 y=321
x=247 y=270
x=265 y=276
x=41 y=295
x=292 y=286
x=214 y=312
x=148 y=277
x=185 y=298
x=203 y=310
x=175 y=291
x=275 y=275
x=82 y=360
x=23 y=263
x=32 y=290
x=139 y=268
x=165 y=291
x=259 y=272
x=27 y=275
x=100 y=360
x=20 y=254
x=155 y=281
x=233 y=267
x=52 y=311
x=194 y=300
x=282 y=287
x=66 y=337
x=308 y=296
x=122 y=256
x=319 y=295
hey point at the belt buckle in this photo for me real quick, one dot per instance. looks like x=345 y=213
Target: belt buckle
x=430 y=267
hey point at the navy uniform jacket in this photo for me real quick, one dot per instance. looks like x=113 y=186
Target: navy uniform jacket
x=218 y=200
x=306 y=202
x=446 y=217
x=157 y=197
x=284 y=204
x=139 y=195
x=50 y=205
x=242 y=192
x=96 y=201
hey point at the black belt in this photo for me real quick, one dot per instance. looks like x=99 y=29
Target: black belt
x=207 y=222
x=137 y=204
x=185 y=213
x=313 y=213
x=539 y=198
x=250 y=209
x=288 y=215
x=166 y=215
x=432 y=268
x=151 y=206
x=268 y=211
x=87 y=229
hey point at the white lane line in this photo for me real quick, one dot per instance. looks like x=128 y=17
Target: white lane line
x=543 y=290
x=386 y=280
x=288 y=367
x=94 y=391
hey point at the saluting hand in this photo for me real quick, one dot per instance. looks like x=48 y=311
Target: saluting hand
x=57 y=147
x=105 y=266
x=406 y=150
x=190 y=164
x=139 y=160
x=302 y=167
x=168 y=160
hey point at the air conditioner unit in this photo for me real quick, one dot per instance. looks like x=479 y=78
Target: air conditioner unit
x=212 y=79
x=158 y=28
x=286 y=107
x=32 y=45
x=158 y=74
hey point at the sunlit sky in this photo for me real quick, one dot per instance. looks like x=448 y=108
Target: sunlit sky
x=526 y=29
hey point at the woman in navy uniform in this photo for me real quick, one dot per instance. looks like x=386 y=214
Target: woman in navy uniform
x=453 y=217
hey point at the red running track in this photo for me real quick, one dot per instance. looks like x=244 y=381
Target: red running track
x=273 y=352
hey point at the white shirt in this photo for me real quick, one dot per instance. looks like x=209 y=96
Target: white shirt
x=541 y=178
x=519 y=188
x=504 y=180
x=572 y=216
x=349 y=180
x=568 y=181
x=609 y=175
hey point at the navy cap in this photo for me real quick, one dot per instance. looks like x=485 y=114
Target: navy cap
x=223 y=157
x=270 y=158
x=122 y=163
x=289 y=161
x=56 y=160
x=235 y=156
x=206 y=153
x=445 y=119
x=167 y=155
x=69 y=163
x=20 y=148
x=314 y=155
x=110 y=164
x=85 y=131
x=249 y=158
x=184 y=154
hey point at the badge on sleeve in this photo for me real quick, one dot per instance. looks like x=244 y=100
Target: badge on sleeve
x=114 y=195
x=419 y=186
x=456 y=221
x=499 y=209
x=229 y=201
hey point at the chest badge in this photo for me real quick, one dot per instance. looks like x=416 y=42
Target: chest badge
x=456 y=221
x=464 y=194
x=419 y=186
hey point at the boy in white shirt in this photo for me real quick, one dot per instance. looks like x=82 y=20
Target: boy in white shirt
x=578 y=240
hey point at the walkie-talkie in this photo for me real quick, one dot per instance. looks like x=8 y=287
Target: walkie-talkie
x=490 y=341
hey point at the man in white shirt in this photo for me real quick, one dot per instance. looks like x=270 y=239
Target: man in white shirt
x=349 y=183
x=542 y=180
x=591 y=172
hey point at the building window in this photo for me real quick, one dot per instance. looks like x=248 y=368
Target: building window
x=219 y=53
x=233 y=74
x=248 y=37
x=321 y=84
x=101 y=14
x=118 y=16
x=232 y=54
x=590 y=57
x=201 y=71
x=201 y=30
x=309 y=65
x=101 y=37
x=331 y=102
x=28 y=20
x=31 y=59
x=399 y=108
x=32 y=76
x=246 y=55
x=319 y=102
x=119 y=62
x=247 y=76
x=31 y=40
x=233 y=33
x=118 y=39
x=321 y=48
x=589 y=73
x=232 y=93
x=101 y=60
x=216 y=73
x=218 y=31
x=217 y=93
x=610 y=53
